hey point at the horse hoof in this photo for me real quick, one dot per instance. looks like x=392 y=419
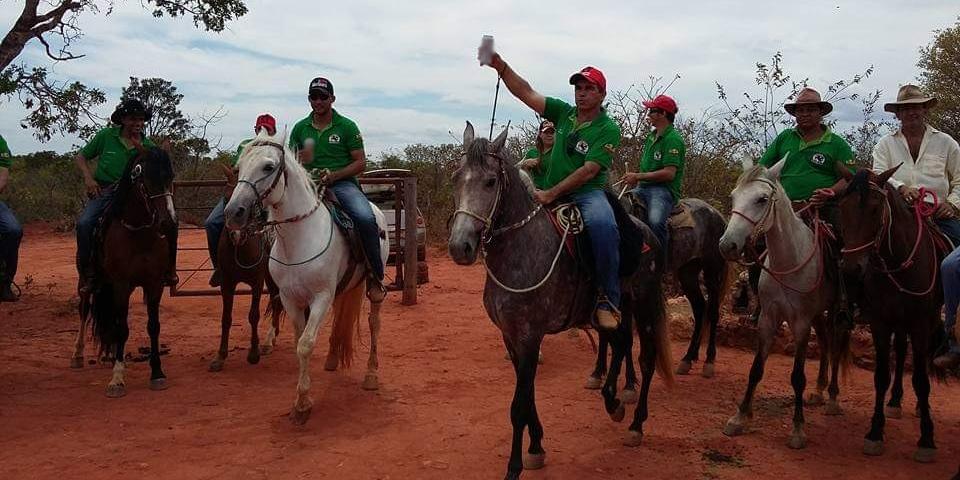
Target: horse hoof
x=370 y=382
x=814 y=399
x=266 y=349
x=797 y=441
x=734 y=428
x=593 y=383
x=892 y=412
x=872 y=448
x=330 y=364
x=629 y=395
x=684 y=367
x=158 y=384
x=534 y=461
x=633 y=439
x=925 y=455
x=253 y=357
x=708 y=370
x=833 y=408
x=76 y=362
x=540 y=358
x=216 y=365
x=116 y=391
x=619 y=413
x=299 y=417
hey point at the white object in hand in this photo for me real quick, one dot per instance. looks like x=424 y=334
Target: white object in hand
x=485 y=52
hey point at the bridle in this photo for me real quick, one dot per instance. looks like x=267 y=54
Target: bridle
x=280 y=171
x=136 y=178
x=920 y=210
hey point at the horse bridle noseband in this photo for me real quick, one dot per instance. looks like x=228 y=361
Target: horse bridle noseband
x=136 y=177
x=261 y=196
x=760 y=227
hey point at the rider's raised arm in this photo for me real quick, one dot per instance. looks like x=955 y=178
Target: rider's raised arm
x=519 y=87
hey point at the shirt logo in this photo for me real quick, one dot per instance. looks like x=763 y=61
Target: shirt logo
x=819 y=159
x=582 y=147
x=674 y=151
x=334 y=138
x=657 y=155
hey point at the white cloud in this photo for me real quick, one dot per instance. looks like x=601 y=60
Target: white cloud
x=406 y=71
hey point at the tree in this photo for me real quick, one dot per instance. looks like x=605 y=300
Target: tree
x=160 y=96
x=940 y=64
x=57 y=107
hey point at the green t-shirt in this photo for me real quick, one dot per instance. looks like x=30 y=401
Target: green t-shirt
x=575 y=144
x=332 y=146
x=809 y=166
x=538 y=174
x=111 y=153
x=6 y=159
x=664 y=151
x=236 y=156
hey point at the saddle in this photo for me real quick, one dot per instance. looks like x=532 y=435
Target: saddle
x=345 y=224
x=681 y=217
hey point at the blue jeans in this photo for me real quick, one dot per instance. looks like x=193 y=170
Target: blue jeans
x=357 y=207
x=10 y=235
x=605 y=241
x=950 y=273
x=214 y=227
x=87 y=223
x=660 y=203
x=950 y=228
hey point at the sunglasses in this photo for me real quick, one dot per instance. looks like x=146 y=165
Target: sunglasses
x=548 y=131
x=655 y=111
x=323 y=97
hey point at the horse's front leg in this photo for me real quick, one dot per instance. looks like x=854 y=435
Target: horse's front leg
x=648 y=361
x=926 y=448
x=308 y=340
x=611 y=402
x=873 y=443
x=77 y=360
x=798 y=378
x=253 y=317
x=523 y=410
x=227 y=290
x=894 y=408
x=371 y=380
x=121 y=298
x=738 y=424
x=158 y=381
x=595 y=380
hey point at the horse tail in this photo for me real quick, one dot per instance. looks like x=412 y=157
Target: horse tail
x=347 y=307
x=105 y=322
x=661 y=332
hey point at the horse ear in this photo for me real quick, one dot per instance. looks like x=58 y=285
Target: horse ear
x=500 y=141
x=228 y=172
x=843 y=171
x=468 y=135
x=883 y=177
x=773 y=173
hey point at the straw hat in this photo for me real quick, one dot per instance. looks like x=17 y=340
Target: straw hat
x=808 y=96
x=910 y=95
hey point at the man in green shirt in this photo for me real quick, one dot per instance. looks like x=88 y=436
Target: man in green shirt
x=330 y=145
x=586 y=139
x=215 y=221
x=112 y=147
x=661 y=168
x=10 y=231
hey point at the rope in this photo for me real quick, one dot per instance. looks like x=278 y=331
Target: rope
x=539 y=284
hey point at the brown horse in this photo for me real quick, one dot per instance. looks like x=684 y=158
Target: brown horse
x=138 y=227
x=243 y=257
x=890 y=245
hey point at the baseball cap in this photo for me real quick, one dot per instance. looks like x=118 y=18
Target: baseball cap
x=662 y=102
x=592 y=75
x=266 y=120
x=321 y=84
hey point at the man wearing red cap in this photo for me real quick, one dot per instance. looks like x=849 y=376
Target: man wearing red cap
x=215 y=221
x=661 y=168
x=582 y=152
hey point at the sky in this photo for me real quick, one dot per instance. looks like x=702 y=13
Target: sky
x=406 y=72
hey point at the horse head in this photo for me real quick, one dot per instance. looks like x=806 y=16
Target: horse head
x=754 y=200
x=865 y=214
x=478 y=187
x=261 y=181
x=148 y=176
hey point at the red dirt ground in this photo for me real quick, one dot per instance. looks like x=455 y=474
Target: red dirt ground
x=441 y=412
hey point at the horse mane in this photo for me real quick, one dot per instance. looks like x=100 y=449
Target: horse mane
x=477 y=152
x=750 y=175
x=291 y=158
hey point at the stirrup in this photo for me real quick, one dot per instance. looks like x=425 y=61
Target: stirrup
x=376 y=292
x=607 y=319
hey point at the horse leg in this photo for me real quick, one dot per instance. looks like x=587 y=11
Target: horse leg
x=523 y=409
x=77 y=360
x=629 y=393
x=840 y=353
x=158 y=381
x=689 y=277
x=371 y=380
x=253 y=317
x=595 y=380
x=117 y=386
x=612 y=404
x=815 y=398
x=276 y=309
x=873 y=443
x=308 y=339
x=894 y=408
x=926 y=448
x=648 y=358
x=227 y=290
x=737 y=425
x=715 y=279
x=798 y=378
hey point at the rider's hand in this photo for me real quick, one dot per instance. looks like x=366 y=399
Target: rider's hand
x=821 y=195
x=945 y=211
x=305 y=156
x=93 y=188
x=496 y=62
x=631 y=178
x=910 y=194
x=545 y=197
x=529 y=163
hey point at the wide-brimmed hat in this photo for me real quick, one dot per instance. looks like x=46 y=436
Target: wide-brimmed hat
x=910 y=95
x=130 y=107
x=808 y=96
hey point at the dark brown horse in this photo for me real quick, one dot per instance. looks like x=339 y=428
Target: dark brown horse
x=135 y=252
x=890 y=245
x=243 y=257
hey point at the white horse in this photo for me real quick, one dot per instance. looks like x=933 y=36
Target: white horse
x=309 y=261
x=793 y=288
